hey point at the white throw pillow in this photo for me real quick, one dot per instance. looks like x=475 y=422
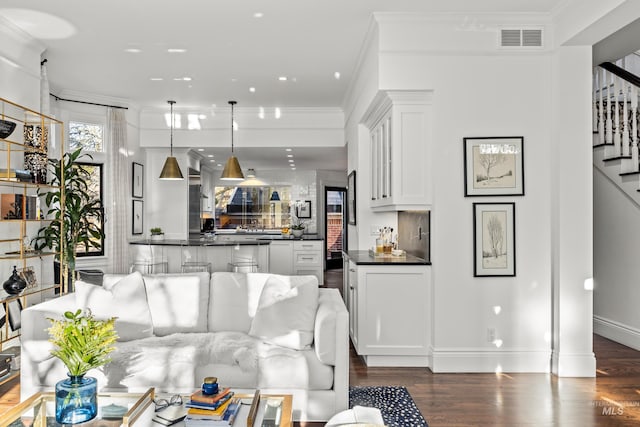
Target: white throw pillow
x=286 y=311
x=126 y=300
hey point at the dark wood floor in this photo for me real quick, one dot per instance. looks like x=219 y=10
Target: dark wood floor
x=446 y=400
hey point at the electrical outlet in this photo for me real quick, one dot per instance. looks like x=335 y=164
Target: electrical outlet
x=375 y=230
x=491 y=334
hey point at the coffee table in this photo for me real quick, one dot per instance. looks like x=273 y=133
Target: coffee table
x=35 y=410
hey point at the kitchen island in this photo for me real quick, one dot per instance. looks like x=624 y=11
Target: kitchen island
x=242 y=251
x=388 y=299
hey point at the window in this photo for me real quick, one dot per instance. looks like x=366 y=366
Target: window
x=88 y=136
x=252 y=207
x=95 y=189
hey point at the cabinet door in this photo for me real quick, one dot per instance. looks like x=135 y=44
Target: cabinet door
x=281 y=257
x=353 y=303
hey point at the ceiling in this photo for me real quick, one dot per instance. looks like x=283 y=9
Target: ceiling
x=203 y=53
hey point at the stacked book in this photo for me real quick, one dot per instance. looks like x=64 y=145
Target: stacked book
x=218 y=409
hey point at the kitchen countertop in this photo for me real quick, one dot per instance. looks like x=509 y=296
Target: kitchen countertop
x=212 y=241
x=365 y=258
x=281 y=237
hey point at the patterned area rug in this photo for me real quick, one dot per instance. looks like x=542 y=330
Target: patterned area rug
x=395 y=403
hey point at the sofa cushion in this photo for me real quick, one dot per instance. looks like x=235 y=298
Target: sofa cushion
x=286 y=311
x=126 y=300
x=234 y=300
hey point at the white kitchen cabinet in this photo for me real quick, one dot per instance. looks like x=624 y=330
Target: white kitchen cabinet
x=389 y=316
x=308 y=259
x=281 y=257
x=400 y=127
x=351 y=298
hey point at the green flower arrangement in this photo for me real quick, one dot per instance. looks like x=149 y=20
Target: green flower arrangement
x=82 y=342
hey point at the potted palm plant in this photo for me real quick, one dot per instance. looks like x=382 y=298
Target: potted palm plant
x=72 y=205
x=82 y=343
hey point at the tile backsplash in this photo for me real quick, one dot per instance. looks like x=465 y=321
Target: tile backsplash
x=414 y=233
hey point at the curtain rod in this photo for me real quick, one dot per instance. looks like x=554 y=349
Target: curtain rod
x=57 y=98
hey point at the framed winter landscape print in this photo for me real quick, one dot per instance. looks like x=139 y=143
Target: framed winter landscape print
x=494 y=166
x=494 y=239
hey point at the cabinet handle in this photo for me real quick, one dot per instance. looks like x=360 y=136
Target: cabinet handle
x=351 y=287
x=352 y=270
x=306 y=258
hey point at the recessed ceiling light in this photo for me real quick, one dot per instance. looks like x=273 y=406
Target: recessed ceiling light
x=287 y=149
x=258 y=15
x=210 y=155
x=186 y=79
x=176 y=50
x=289 y=155
x=293 y=169
x=261 y=112
x=336 y=75
x=212 y=161
x=278 y=113
x=200 y=149
x=252 y=89
x=234 y=80
x=219 y=165
x=282 y=78
x=132 y=50
x=291 y=160
x=156 y=79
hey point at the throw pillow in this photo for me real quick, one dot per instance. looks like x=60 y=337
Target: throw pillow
x=286 y=311
x=126 y=300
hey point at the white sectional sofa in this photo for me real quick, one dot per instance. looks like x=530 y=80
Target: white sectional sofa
x=279 y=334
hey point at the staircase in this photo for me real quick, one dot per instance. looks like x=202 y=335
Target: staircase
x=616 y=124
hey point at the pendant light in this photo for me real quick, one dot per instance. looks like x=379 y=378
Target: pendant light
x=232 y=170
x=171 y=169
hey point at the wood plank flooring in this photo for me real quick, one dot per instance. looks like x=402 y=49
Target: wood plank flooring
x=446 y=400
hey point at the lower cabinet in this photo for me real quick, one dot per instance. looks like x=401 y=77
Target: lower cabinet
x=389 y=313
x=297 y=257
x=281 y=257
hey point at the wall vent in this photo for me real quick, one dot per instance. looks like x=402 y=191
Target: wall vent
x=510 y=37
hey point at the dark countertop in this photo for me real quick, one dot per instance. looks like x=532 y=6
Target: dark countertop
x=281 y=237
x=197 y=242
x=364 y=258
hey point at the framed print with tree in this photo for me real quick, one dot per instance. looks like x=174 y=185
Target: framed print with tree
x=137 y=180
x=494 y=166
x=304 y=209
x=137 y=217
x=351 y=198
x=494 y=239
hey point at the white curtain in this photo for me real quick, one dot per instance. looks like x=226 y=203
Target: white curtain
x=116 y=225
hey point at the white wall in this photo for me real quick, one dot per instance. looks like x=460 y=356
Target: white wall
x=479 y=90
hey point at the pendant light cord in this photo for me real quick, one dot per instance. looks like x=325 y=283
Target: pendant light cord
x=171 y=118
x=232 y=104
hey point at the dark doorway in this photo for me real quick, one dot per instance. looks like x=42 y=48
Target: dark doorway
x=335 y=225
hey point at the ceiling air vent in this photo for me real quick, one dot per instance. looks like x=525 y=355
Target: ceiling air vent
x=521 y=38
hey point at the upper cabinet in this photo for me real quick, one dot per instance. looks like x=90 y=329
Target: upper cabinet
x=400 y=127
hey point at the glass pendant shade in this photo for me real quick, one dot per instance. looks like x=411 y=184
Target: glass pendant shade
x=232 y=170
x=275 y=197
x=171 y=169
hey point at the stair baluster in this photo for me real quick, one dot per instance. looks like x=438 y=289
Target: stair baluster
x=609 y=126
x=634 y=129
x=615 y=127
x=601 y=106
x=624 y=124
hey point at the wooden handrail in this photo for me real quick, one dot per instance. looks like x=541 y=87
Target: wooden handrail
x=622 y=73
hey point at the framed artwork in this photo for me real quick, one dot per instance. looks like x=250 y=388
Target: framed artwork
x=137 y=180
x=494 y=239
x=351 y=198
x=137 y=217
x=304 y=209
x=14 y=308
x=494 y=166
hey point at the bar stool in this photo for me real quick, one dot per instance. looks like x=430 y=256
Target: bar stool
x=188 y=264
x=148 y=261
x=243 y=262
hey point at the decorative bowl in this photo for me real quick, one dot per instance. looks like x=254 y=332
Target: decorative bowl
x=6 y=128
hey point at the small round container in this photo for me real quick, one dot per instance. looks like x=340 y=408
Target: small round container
x=210 y=386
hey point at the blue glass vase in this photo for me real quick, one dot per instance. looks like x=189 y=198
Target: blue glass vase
x=76 y=399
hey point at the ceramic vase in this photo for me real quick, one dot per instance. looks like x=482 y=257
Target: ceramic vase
x=76 y=399
x=14 y=284
x=297 y=232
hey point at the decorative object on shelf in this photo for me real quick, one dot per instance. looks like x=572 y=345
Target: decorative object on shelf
x=303 y=209
x=351 y=198
x=82 y=343
x=29 y=276
x=232 y=170
x=171 y=169
x=494 y=166
x=494 y=245
x=36 y=141
x=156 y=233
x=137 y=219
x=14 y=284
x=137 y=180
x=6 y=128
x=83 y=215
x=14 y=307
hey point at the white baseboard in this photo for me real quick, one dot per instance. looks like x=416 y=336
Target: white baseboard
x=581 y=365
x=493 y=361
x=617 y=332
